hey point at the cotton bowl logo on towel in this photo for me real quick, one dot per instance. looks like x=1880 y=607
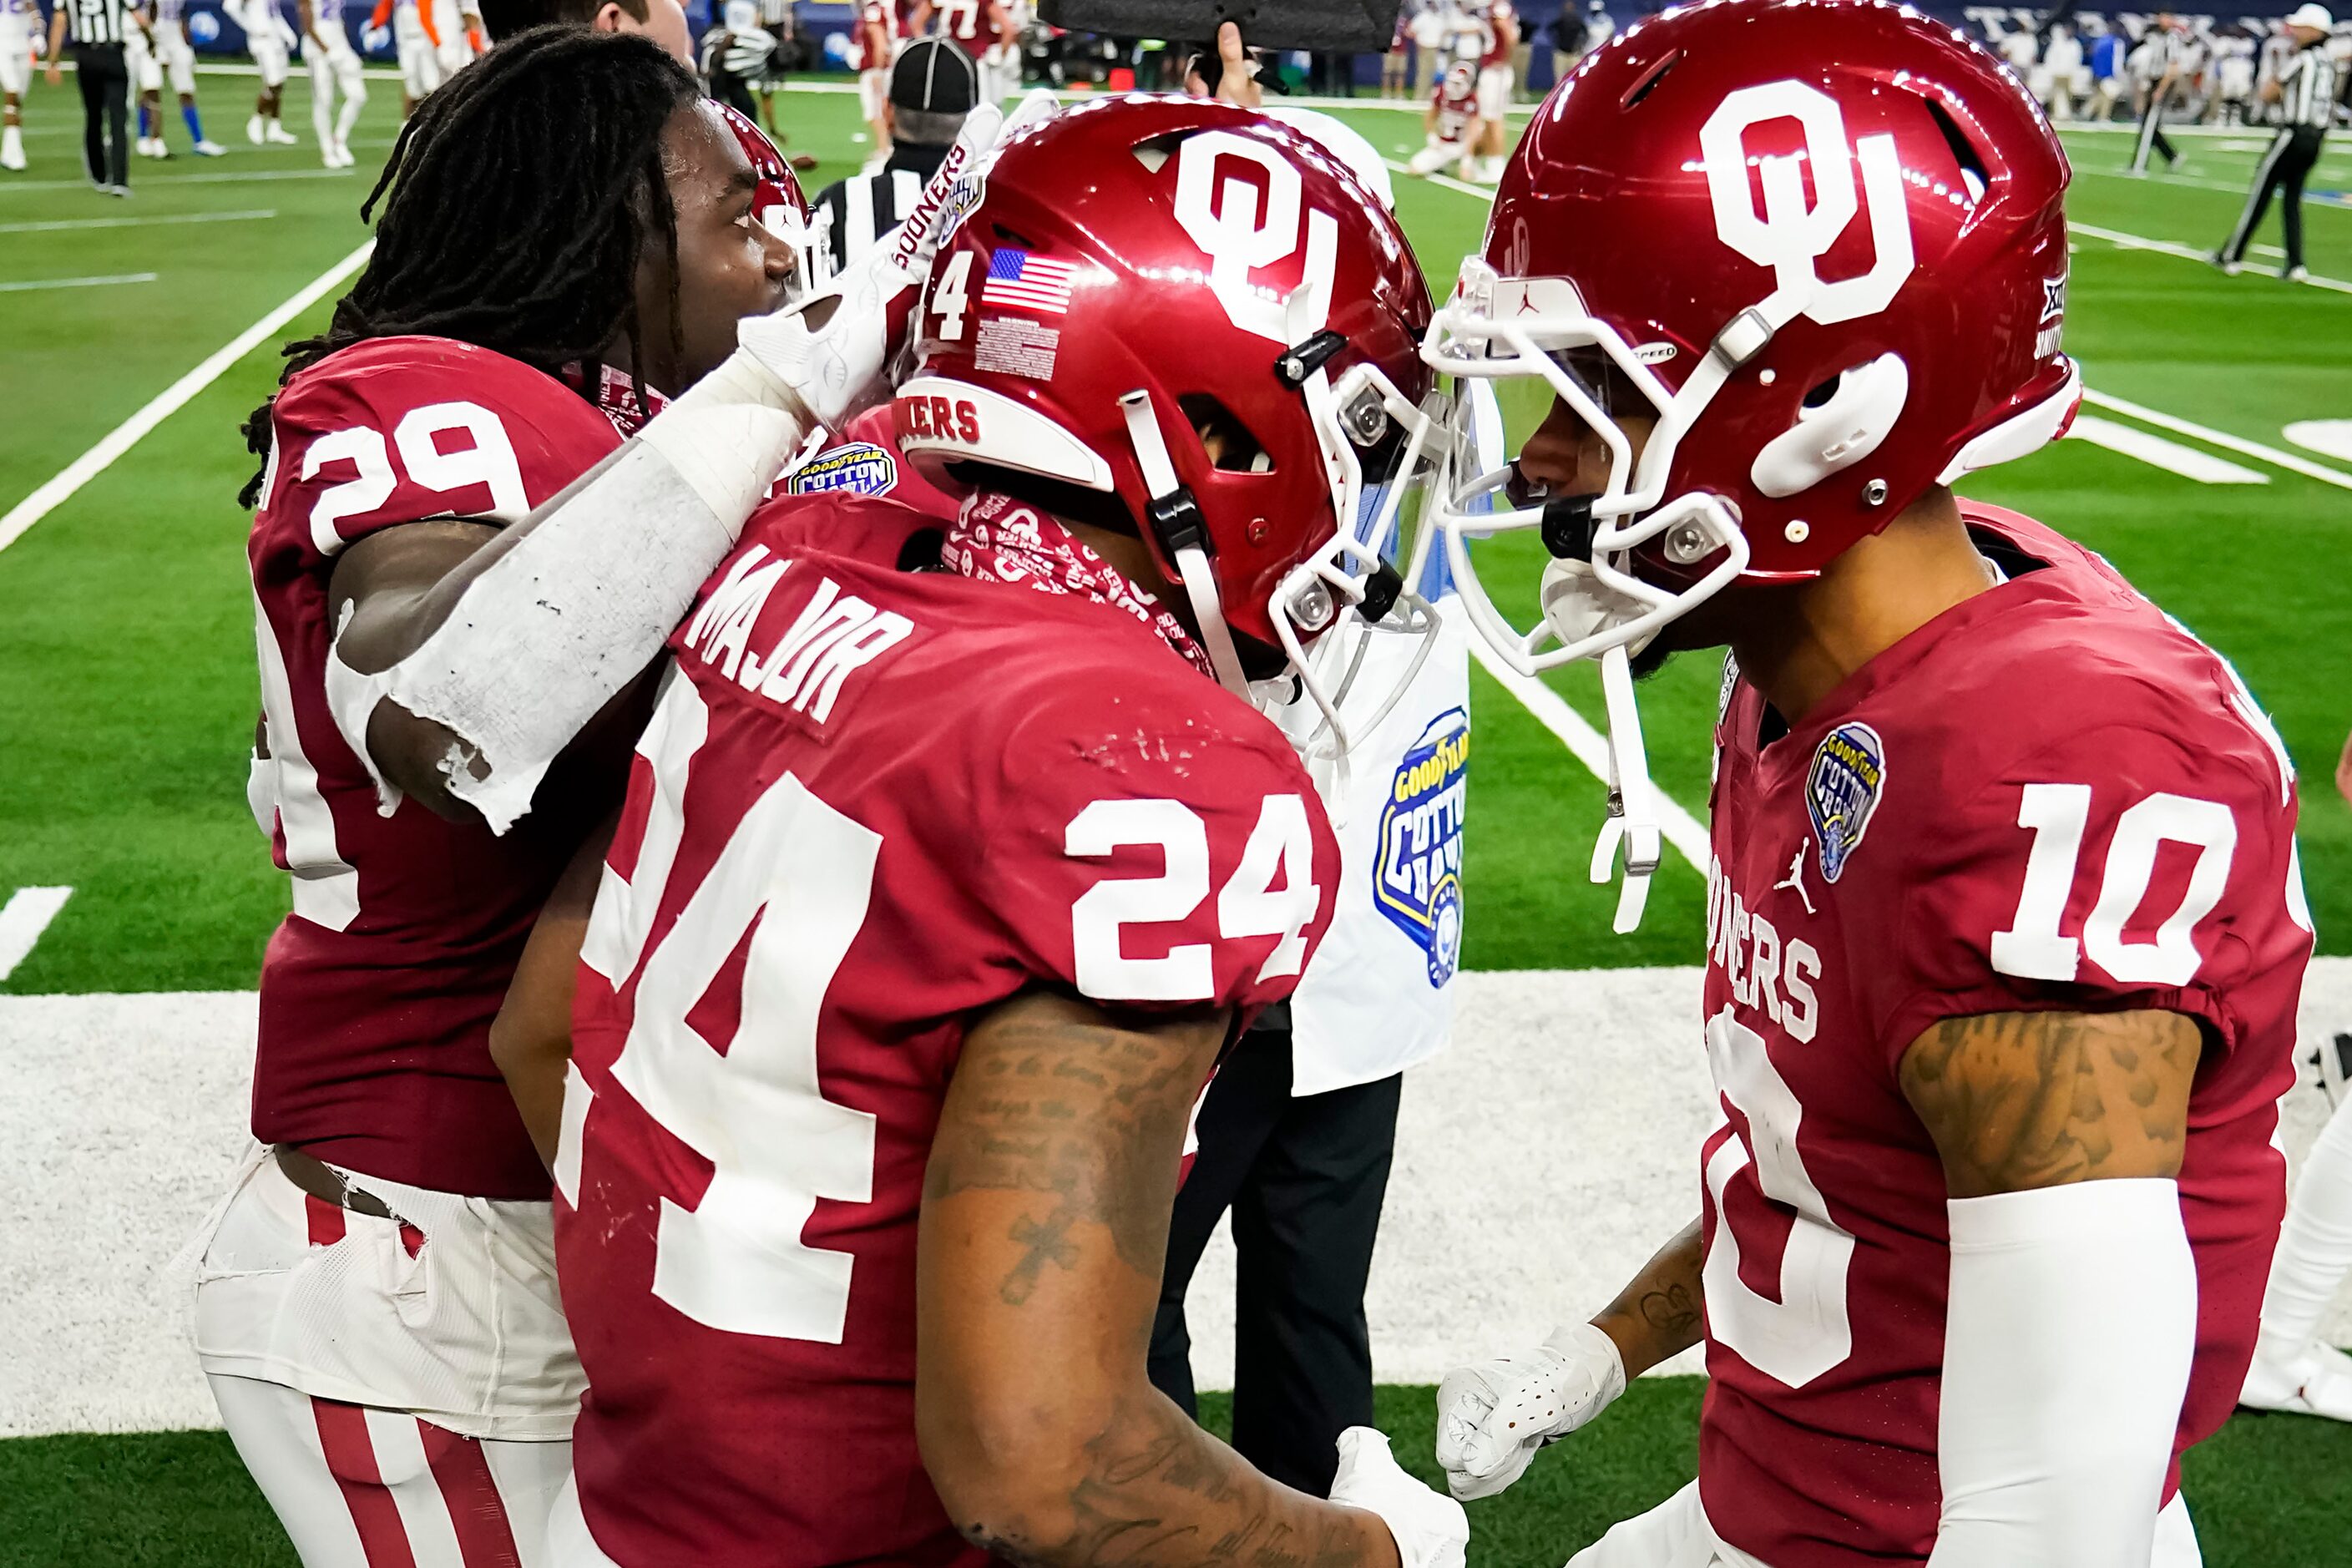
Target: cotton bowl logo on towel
x=861 y=467
x=1842 y=790
x=1418 y=882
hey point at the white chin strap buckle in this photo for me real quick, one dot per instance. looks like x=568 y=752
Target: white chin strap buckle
x=1631 y=824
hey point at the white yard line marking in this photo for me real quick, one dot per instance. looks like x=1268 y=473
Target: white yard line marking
x=23 y=919
x=35 y=285
x=141 y=182
x=2186 y=252
x=1589 y=746
x=2328 y=438
x=2222 y=438
x=2187 y=461
x=127 y=434
x=54 y=226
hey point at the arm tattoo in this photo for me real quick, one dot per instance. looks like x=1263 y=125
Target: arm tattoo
x=1662 y=1311
x=2020 y=1100
x=1150 y=1479
x=1070 y=1105
x=1045 y=1213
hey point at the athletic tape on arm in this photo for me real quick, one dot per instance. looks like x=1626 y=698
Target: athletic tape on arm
x=554 y=628
x=2069 y=1334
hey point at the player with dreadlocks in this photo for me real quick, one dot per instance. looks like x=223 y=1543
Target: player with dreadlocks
x=565 y=233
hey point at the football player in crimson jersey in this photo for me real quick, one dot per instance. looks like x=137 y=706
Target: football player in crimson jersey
x=2005 y=927
x=1453 y=125
x=953 y=859
x=376 y=1305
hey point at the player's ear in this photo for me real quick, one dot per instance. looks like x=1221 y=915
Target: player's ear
x=610 y=18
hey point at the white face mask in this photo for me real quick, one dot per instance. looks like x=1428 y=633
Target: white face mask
x=1596 y=608
x=1321 y=611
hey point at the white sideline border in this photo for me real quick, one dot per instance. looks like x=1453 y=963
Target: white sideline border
x=69 y=480
x=1608 y=1101
x=23 y=919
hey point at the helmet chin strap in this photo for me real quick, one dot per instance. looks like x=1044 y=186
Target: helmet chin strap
x=1632 y=814
x=1176 y=516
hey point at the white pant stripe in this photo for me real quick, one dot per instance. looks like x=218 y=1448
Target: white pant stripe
x=400 y=1460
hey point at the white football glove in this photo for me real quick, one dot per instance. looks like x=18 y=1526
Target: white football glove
x=1429 y=1529
x=830 y=349
x=1491 y=1418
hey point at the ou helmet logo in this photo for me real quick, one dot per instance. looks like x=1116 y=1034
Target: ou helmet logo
x=1238 y=235
x=1788 y=236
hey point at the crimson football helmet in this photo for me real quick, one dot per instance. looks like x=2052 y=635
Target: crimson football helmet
x=1139 y=269
x=778 y=201
x=1823 y=246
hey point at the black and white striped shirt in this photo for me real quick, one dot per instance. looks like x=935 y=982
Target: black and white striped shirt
x=848 y=217
x=99 y=21
x=2308 y=87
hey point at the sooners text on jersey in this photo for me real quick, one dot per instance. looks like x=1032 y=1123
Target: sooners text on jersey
x=378 y=990
x=2050 y=798
x=871 y=805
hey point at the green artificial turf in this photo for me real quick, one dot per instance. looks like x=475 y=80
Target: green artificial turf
x=2268 y=1491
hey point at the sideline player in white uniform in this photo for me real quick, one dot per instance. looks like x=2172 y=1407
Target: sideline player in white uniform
x=19 y=20
x=172 y=57
x=418 y=46
x=458 y=24
x=270 y=42
x=334 y=68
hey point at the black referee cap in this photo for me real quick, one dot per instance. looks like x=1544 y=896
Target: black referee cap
x=934 y=76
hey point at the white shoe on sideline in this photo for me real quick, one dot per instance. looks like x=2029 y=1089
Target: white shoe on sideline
x=283 y=137
x=210 y=149
x=253 y=129
x=2297 y=274
x=2315 y=1382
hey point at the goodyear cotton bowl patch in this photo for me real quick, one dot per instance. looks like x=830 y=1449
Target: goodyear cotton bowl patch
x=1419 y=877
x=860 y=467
x=1842 y=790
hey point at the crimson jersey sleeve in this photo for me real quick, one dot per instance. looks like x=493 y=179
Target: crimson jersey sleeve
x=1152 y=848
x=401 y=429
x=2125 y=865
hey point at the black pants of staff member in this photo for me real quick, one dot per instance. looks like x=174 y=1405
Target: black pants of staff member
x=105 y=81
x=735 y=92
x=2285 y=165
x=2151 y=137
x=1304 y=1180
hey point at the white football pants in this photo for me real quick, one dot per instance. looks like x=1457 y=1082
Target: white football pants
x=1676 y=1534
x=334 y=68
x=361 y=1488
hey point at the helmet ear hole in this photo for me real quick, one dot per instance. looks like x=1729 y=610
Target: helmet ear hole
x=1230 y=449
x=1824 y=392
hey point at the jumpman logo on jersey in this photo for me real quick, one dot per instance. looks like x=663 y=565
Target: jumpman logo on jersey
x=1796 y=878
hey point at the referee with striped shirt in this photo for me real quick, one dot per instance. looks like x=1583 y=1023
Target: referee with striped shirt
x=933 y=86
x=2305 y=91
x=104 y=76
x=2171 y=52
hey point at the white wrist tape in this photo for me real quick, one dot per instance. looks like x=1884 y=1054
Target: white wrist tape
x=2071 y=1324
x=561 y=623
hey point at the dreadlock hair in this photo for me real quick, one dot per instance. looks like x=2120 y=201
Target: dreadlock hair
x=517 y=204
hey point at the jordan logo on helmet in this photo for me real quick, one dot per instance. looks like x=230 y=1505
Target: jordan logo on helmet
x=1788 y=236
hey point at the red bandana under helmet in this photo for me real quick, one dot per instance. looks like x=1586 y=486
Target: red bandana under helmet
x=998 y=540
